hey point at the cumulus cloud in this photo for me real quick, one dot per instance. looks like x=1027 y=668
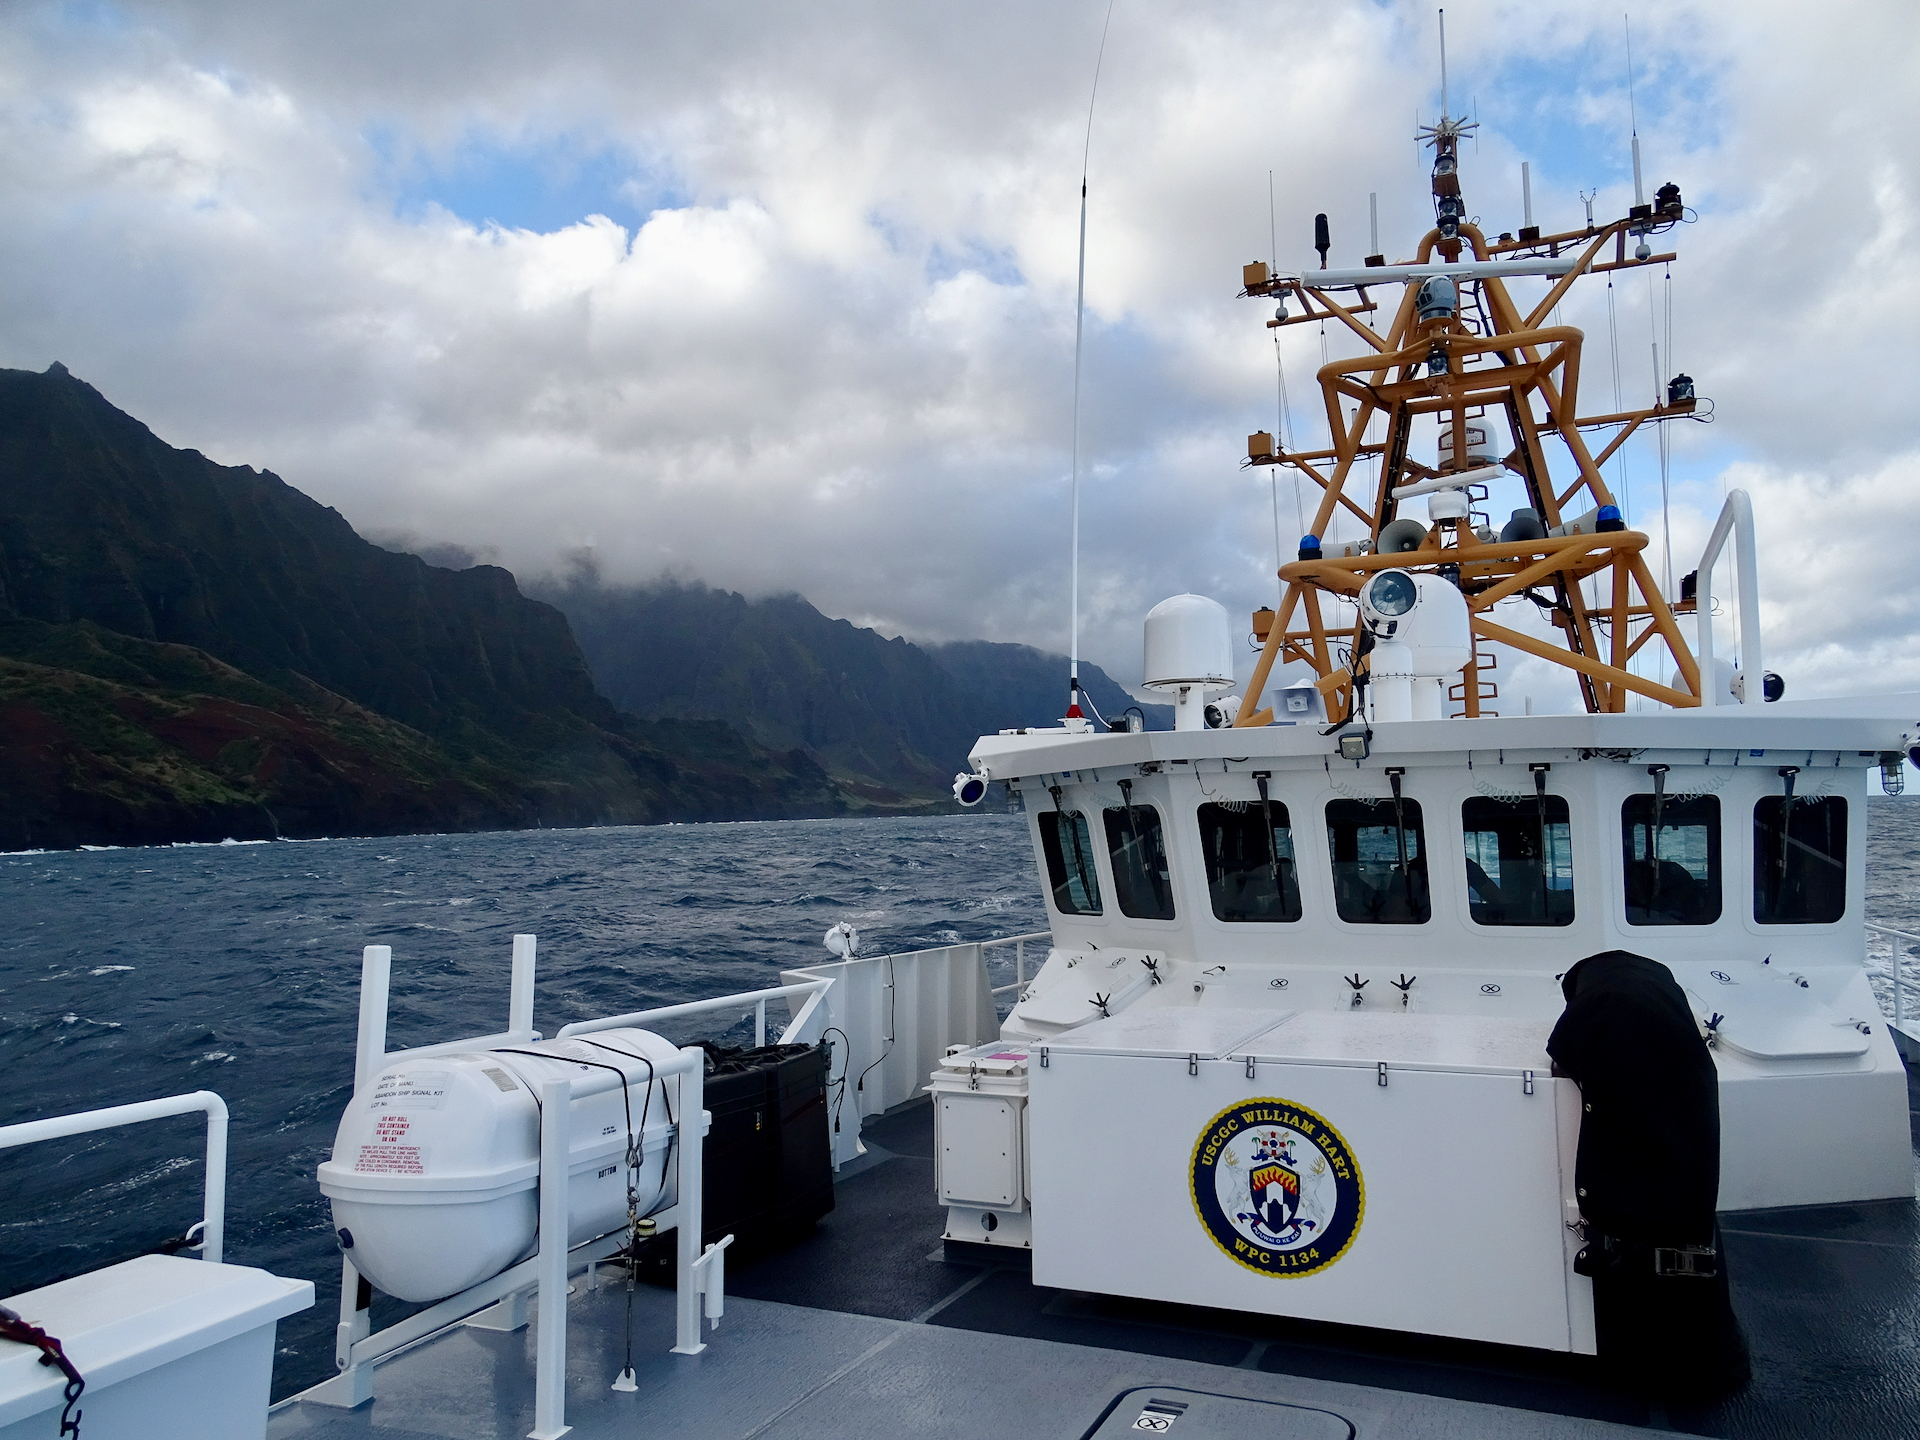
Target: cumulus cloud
x=816 y=334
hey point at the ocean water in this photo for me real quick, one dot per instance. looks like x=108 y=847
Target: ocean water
x=127 y=974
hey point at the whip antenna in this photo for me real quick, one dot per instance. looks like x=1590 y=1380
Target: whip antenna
x=1079 y=315
x=1633 y=116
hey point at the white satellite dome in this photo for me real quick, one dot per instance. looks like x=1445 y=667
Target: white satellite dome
x=1188 y=643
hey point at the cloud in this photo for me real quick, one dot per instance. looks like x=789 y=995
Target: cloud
x=811 y=326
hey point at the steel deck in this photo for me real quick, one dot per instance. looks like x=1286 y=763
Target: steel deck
x=867 y=1327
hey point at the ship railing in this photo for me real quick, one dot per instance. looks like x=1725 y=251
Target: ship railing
x=804 y=1028
x=1017 y=987
x=895 y=1016
x=213 y=1215
x=1735 y=522
x=1896 y=968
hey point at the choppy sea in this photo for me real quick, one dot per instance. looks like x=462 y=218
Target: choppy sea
x=128 y=974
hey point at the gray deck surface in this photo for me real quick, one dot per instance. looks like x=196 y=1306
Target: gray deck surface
x=784 y=1372
x=868 y=1328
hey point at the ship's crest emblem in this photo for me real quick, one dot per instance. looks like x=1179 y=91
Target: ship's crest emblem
x=1276 y=1187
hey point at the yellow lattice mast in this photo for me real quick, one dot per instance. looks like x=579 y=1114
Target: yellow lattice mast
x=1460 y=348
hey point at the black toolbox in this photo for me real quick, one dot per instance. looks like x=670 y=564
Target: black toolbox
x=767 y=1159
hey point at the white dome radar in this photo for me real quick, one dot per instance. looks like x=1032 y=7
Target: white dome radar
x=1189 y=650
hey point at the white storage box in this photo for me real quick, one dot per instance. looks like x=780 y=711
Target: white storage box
x=980 y=1143
x=170 y=1348
x=1409 y=1172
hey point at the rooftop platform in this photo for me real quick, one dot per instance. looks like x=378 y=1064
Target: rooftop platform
x=869 y=1328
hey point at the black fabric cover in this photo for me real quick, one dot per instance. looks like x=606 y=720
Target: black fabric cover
x=1649 y=1163
x=1648 y=1174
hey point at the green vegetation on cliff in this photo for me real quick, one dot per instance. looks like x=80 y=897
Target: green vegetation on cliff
x=191 y=651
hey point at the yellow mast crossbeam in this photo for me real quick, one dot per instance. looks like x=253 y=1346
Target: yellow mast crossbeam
x=1449 y=366
x=1677 y=410
x=1287 y=457
x=1597 y=669
x=1359 y=327
x=1325 y=483
x=1312 y=316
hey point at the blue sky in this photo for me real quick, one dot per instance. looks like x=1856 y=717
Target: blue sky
x=543 y=184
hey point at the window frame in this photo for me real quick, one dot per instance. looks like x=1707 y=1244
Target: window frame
x=1285 y=822
x=1421 y=857
x=1077 y=820
x=1122 y=890
x=1565 y=804
x=1759 y=859
x=1716 y=858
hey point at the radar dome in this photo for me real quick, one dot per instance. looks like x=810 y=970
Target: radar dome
x=1188 y=644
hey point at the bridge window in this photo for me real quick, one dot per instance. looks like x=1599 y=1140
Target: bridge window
x=1800 y=867
x=1069 y=854
x=1672 y=853
x=1251 y=873
x=1519 y=860
x=1379 y=861
x=1138 y=848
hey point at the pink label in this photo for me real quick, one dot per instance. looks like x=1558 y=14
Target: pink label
x=1009 y=1055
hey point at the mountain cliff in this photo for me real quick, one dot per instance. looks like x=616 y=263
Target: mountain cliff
x=190 y=650
x=888 y=718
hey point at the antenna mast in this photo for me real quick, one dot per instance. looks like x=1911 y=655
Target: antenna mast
x=1570 y=541
x=1079 y=315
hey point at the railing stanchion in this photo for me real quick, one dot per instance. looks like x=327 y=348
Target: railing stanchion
x=693 y=1129
x=550 y=1344
x=520 y=995
x=214 y=1215
x=760 y=1025
x=376 y=970
x=1899 y=997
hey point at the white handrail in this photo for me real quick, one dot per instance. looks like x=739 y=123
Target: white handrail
x=1899 y=991
x=376 y=976
x=746 y=999
x=1019 y=943
x=1736 y=516
x=214 y=1213
x=1889 y=930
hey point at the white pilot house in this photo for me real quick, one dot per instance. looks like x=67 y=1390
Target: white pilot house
x=1306 y=948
